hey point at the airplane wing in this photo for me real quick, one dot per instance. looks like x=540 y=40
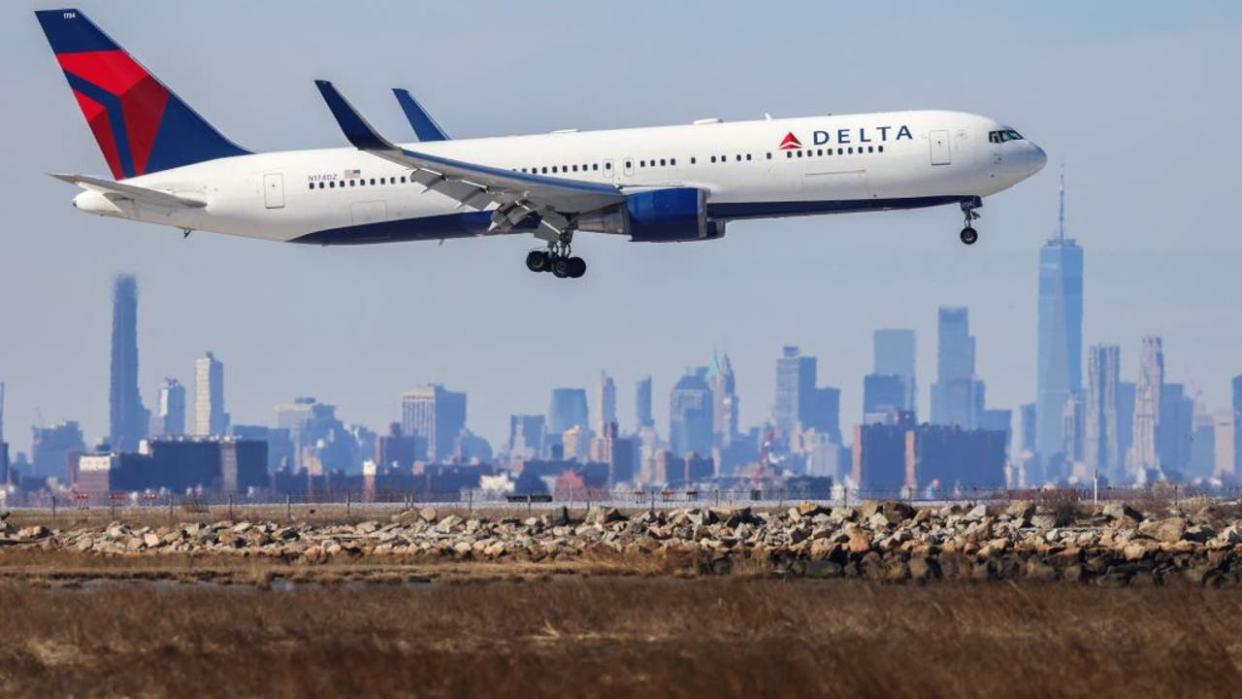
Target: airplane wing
x=141 y=195
x=425 y=128
x=558 y=202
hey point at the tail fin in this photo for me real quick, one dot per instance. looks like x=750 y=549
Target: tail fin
x=140 y=125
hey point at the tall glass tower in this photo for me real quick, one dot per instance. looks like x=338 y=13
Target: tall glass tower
x=126 y=417
x=1060 y=336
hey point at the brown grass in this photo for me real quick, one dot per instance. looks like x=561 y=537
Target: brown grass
x=621 y=637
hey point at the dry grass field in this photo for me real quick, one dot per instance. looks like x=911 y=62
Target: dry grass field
x=620 y=636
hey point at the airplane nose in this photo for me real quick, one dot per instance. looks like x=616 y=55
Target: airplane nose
x=1038 y=158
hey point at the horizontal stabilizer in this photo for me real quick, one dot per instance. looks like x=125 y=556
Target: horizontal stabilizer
x=141 y=195
x=425 y=128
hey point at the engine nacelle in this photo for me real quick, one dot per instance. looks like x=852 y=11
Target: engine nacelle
x=668 y=215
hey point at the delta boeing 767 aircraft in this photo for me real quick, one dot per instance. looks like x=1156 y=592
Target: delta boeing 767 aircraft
x=659 y=185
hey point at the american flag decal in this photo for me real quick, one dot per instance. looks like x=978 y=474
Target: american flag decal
x=352 y=174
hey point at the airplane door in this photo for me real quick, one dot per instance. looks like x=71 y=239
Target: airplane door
x=629 y=167
x=274 y=190
x=940 y=147
x=608 y=171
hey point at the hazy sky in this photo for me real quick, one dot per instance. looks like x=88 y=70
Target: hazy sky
x=1140 y=99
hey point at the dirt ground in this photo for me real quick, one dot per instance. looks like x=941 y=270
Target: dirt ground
x=616 y=636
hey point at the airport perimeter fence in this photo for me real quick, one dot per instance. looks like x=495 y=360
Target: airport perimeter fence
x=347 y=505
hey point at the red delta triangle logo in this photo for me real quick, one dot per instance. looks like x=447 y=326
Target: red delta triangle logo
x=790 y=142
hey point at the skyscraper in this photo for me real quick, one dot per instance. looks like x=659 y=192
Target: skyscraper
x=1237 y=425
x=1060 y=335
x=4 y=446
x=172 y=408
x=607 y=402
x=725 y=400
x=436 y=416
x=568 y=409
x=209 y=415
x=1144 y=456
x=128 y=420
x=642 y=403
x=957 y=396
x=1175 y=429
x=895 y=353
x=526 y=435
x=884 y=397
x=795 y=386
x=1103 y=442
x=690 y=415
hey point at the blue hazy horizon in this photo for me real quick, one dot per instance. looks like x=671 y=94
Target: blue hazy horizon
x=1137 y=98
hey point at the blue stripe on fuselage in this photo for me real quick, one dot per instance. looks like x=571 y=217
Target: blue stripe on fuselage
x=476 y=223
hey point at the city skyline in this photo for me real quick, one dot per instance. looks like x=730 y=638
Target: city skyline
x=321 y=311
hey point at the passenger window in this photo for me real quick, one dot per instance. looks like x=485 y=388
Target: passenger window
x=594 y=167
x=713 y=158
x=312 y=185
x=840 y=151
x=748 y=157
x=331 y=185
x=769 y=156
x=799 y=154
x=870 y=149
x=608 y=165
x=693 y=160
x=673 y=162
x=881 y=148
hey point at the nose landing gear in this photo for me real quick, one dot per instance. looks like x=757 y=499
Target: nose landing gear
x=969 y=235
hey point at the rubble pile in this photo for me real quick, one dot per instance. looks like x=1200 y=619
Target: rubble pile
x=889 y=541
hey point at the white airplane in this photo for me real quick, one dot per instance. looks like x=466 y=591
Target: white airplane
x=663 y=184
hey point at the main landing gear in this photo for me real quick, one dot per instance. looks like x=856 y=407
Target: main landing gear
x=969 y=235
x=558 y=260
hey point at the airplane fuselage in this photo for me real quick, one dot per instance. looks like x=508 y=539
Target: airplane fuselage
x=754 y=169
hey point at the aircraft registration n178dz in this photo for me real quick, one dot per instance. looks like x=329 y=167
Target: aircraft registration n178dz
x=664 y=184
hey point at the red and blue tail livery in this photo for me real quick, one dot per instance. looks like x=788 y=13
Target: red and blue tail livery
x=140 y=125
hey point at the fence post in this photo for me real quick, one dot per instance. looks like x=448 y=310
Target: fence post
x=289 y=507
x=347 y=508
x=470 y=502
x=171 y=517
x=53 y=508
x=653 y=499
x=718 y=497
x=529 y=499
x=112 y=506
x=230 y=506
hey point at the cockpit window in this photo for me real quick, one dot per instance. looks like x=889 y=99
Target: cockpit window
x=1003 y=136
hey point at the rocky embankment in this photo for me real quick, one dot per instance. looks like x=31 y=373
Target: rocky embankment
x=891 y=541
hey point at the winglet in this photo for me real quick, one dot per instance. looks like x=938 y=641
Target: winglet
x=360 y=133
x=425 y=128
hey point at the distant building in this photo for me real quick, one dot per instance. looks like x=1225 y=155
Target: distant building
x=691 y=419
x=281 y=451
x=576 y=443
x=799 y=400
x=526 y=436
x=210 y=419
x=1175 y=429
x=607 y=401
x=1103 y=454
x=620 y=453
x=926 y=458
x=171 y=420
x=1237 y=431
x=218 y=465
x=1144 y=457
x=52 y=447
x=1060 y=335
x=1125 y=426
x=884 y=397
x=725 y=401
x=396 y=451
x=1225 y=432
x=128 y=419
x=895 y=355
x=957 y=395
x=568 y=409
x=642 y=412
x=4 y=446
x=436 y=416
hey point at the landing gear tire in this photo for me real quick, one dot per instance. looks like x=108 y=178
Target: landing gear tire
x=538 y=261
x=577 y=267
x=969 y=235
x=562 y=268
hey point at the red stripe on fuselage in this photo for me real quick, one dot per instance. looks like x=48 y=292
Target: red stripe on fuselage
x=101 y=127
